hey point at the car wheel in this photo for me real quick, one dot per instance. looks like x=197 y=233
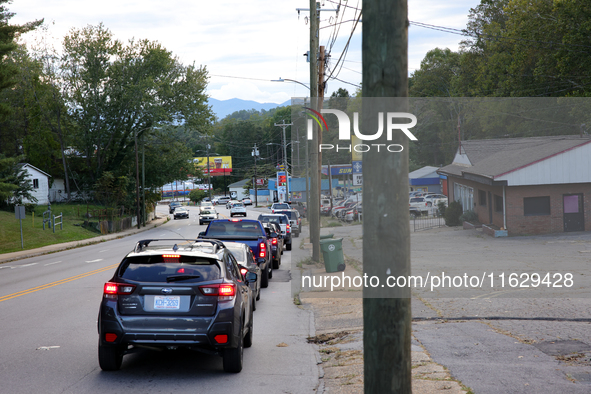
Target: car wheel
x=258 y=294
x=110 y=357
x=270 y=270
x=233 y=357
x=265 y=278
x=276 y=263
x=289 y=246
x=248 y=337
x=200 y=222
x=429 y=204
x=231 y=215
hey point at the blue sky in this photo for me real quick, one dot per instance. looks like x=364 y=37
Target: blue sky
x=244 y=44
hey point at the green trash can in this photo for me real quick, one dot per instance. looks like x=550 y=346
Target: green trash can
x=327 y=236
x=332 y=252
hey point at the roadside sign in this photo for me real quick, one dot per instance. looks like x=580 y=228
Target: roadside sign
x=19 y=212
x=357 y=179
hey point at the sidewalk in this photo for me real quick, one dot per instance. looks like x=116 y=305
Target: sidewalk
x=6 y=257
x=339 y=327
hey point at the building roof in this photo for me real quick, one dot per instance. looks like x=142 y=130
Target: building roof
x=238 y=184
x=23 y=165
x=424 y=172
x=497 y=157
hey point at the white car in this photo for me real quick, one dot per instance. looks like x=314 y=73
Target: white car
x=238 y=209
x=433 y=200
x=247 y=201
x=207 y=214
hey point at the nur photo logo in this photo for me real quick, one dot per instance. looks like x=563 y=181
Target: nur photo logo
x=385 y=121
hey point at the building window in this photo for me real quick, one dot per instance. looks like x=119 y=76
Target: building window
x=536 y=206
x=482 y=198
x=35 y=183
x=465 y=196
x=498 y=203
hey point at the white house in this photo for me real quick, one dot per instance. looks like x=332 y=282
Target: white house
x=40 y=181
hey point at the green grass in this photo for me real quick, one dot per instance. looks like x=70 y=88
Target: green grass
x=33 y=234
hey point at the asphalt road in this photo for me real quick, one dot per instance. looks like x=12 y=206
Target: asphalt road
x=49 y=306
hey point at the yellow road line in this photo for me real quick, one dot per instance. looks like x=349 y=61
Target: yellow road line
x=56 y=283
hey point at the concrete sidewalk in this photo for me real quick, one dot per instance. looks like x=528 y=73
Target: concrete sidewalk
x=23 y=254
x=338 y=318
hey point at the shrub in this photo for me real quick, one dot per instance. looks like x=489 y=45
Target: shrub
x=452 y=214
x=441 y=207
x=469 y=216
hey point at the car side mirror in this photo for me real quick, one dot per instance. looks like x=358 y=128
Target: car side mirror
x=250 y=277
x=202 y=234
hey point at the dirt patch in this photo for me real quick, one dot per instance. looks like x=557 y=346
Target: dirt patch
x=328 y=339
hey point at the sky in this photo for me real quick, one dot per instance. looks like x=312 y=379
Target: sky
x=246 y=44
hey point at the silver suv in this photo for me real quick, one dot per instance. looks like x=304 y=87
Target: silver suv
x=177 y=293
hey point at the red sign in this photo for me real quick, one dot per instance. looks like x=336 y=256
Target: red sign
x=261 y=182
x=282 y=180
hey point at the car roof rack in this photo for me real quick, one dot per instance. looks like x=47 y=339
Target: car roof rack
x=144 y=243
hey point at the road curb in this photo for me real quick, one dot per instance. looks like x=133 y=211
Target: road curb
x=20 y=255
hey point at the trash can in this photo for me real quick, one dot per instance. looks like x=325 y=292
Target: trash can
x=327 y=236
x=332 y=252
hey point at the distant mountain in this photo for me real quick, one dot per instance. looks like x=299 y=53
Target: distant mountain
x=223 y=108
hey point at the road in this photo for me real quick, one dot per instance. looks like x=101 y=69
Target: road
x=49 y=306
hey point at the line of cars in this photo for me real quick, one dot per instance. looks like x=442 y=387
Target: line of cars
x=198 y=294
x=349 y=209
x=420 y=203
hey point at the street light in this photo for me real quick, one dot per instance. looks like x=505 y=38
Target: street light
x=290 y=80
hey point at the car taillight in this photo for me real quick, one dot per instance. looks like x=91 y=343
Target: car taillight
x=224 y=291
x=111 y=290
x=288 y=228
x=274 y=241
x=262 y=250
x=243 y=271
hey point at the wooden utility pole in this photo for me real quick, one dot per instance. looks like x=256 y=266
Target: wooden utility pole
x=321 y=86
x=386 y=234
x=314 y=206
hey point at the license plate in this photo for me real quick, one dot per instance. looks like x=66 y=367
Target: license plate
x=167 y=302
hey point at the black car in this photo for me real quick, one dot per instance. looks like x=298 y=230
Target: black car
x=169 y=294
x=172 y=206
x=274 y=234
x=247 y=263
x=283 y=221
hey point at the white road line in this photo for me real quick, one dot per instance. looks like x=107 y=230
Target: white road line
x=5 y=267
x=28 y=265
x=55 y=262
x=94 y=261
x=104 y=250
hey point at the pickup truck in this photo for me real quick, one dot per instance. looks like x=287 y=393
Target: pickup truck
x=246 y=231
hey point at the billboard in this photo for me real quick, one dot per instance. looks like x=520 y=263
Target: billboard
x=218 y=165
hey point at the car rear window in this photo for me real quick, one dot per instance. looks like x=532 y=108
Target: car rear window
x=239 y=205
x=158 y=268
x=273 y=219
x=417 y=199
x=281 y=206
x=245 y=229
x=289 y=214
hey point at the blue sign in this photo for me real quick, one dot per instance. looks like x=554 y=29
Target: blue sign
x=357 y=167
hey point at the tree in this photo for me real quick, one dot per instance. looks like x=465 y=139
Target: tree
x=197 y=195
x=122 y=92
x=8 y=34
x=14 y=183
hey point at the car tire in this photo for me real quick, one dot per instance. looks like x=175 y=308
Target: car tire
x=110 y=357
x=429 y=204
x=233 y=356
x=248 y=336
x=231 y=215
x=265 y=278
x=254 y=306
x=258 y=294
x=200 y=223
x=276 y=263
x=288 y=247
x=270 y=270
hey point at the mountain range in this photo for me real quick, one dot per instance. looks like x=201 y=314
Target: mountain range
x=223 y=108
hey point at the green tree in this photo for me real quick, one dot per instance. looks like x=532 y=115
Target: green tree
x=15 y=185
x=197 y=195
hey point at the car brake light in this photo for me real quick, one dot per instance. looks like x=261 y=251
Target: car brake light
x=171 y=256
x=288 y=228
x=111 y=290
x=243 y=271
x=224 y=291
x=235 y=220
x=262 y=250
x=274 y=241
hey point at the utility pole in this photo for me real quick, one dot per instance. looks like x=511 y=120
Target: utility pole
x=208 y=173
x=143 y=181
x=284 y=126
x=255 y=153
x=314 y=206
x=386 y=320
x=137 y=183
